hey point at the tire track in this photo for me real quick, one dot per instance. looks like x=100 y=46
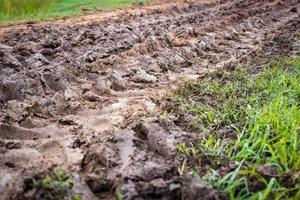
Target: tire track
x=78 y=95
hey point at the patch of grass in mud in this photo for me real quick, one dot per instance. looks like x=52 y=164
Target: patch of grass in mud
x=55 y=185
x=250 y=124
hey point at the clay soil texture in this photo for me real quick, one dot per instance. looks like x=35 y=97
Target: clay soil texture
x=86 y=96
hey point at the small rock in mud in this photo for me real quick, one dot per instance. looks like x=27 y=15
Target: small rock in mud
x=144 y=77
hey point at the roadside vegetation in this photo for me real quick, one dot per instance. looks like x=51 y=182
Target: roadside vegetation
x=249 y=131
x=55 y=185
x=15 y=10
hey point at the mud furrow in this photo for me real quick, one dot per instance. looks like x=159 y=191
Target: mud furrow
x=85 y=96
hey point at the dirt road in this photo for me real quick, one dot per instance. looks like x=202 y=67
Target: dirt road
x=86 y=96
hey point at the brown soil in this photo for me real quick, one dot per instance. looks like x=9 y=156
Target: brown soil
x=85 y=96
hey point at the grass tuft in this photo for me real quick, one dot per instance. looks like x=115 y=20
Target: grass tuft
x=54 y=185
x=252 y=120
x=14 y=10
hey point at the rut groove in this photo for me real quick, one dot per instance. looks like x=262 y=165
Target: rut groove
x=85 y=96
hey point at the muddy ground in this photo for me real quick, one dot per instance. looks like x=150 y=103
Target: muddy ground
x=86 y=96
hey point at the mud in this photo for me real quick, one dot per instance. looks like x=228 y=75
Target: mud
x=85 y=96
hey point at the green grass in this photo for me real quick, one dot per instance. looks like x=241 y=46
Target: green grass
x=55 y=185
x=250 y=119
x=14 y=10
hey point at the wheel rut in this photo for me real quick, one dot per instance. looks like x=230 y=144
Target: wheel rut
x=86 y=96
